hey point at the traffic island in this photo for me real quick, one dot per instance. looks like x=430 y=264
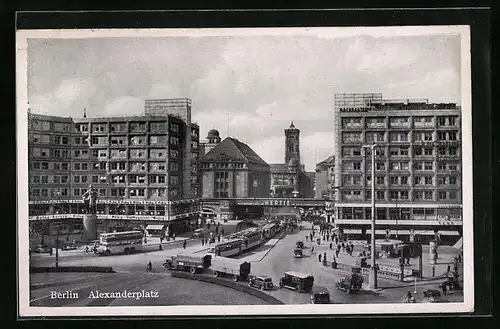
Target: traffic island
x=96 y=269
x=229 y=284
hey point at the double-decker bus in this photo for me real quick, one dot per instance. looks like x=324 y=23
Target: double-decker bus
x=120 y=242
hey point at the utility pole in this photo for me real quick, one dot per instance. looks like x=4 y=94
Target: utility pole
x=373 y=269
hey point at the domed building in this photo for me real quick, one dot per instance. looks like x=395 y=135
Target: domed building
x=212 y=140
x=289 y=179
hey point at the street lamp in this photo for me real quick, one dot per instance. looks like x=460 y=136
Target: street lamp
x=373 y=270
x=57 y=244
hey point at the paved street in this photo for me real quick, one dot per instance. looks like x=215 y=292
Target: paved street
x=272 y=259
x=170 y=291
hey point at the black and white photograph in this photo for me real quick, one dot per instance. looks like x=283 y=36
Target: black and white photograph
x=244 y=171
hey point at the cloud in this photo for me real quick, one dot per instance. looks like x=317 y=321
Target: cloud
x=124 y=106
x=387 y=56
x=165 y=90
x=271 y=149
x=295 y=109
x=69 y=95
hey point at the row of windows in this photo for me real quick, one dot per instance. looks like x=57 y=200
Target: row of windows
x=399 y=165
x=122 y=127
x=398 y=136
x=222 y=165
x=398 y=195
x=113 y=192
x=397 y=122
x=399 y=213
x=402 y=180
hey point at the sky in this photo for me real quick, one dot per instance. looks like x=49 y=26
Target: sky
x=249 y=87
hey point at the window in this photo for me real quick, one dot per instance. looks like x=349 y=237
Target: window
x=57 y=166
x=417 y=180
x=36 y=165
x=452 y=180
x=428 y=136
x=76 y=179
x=404 y=195
x=137 y=126
x=452 y=136
x=157 y=126
x=95 y=179
x=442 y=136
x=174 y=166
x=84 y=179
x=452 y=121
x=441 y=121
x=36 y=179
x=417 y=151
x=76 y=192
x=418 y=195
x=174 y=180
x=452 y=150
x=77 y=166
x=380 y=195
x=441 y=180
x=64 y=179
x=102 y=192
x=428 y=151
x=428 y=165
x=394 y=195
x=380 y=166
x=356 y=165
x=380 y=180
x=404 y=180
x=452 y=195
x=174 y=127
x=442 y=195
x=428 y=180
x=174 y=140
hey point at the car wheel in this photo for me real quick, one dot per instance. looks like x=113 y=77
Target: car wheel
x=348 y=291
x=216 y=274
x=235 y=278
x=262 y=288
x=192 y=270
x=108 y=252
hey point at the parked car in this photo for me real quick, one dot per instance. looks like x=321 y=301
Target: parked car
x=41 y=248
x=320 y=295
x=433 y=295
x=260 y=282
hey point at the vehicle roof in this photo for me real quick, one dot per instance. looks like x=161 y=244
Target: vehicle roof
x=319 y=289
x=298 y=274
x=121 y=233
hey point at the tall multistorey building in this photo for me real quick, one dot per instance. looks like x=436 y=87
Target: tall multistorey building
x=145 y=169
x=418 y=178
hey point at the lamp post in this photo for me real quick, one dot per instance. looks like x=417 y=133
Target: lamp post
x=57 y=245
x=373 y=269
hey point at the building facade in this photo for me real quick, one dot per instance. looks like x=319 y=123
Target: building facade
x=324 y=186
x=145 y=169
x=289 y=179
x=418 y=176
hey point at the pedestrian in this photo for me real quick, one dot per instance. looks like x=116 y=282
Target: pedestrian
x=337 y=253
x=443 y=288
x=184 y=244
x=307 y=238
x=222 y=231
x=319 y=258
x=433 y=270
x=324 y=256
x=173 y=236
x=218 y=238
x=331 y=245
x=312 y=250
x=202 y=241
x=327 y=237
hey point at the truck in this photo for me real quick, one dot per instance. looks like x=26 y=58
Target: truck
x=238 y=270
x=188 y=262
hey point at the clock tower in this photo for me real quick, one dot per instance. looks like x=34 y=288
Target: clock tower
x=292 y=149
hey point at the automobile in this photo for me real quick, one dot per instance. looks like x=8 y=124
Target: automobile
x=297 y=281
x=260 y=282
x=433 y=295
x=350 y=283
x=320 y=295
x=298 y=253
x=70 y=246
x=299 y=244
x=450 y=283
x=42 y=248
x=198 y=233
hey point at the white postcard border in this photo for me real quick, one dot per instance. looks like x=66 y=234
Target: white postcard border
x=24 y=308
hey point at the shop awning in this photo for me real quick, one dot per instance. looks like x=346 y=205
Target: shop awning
x=154 y=227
